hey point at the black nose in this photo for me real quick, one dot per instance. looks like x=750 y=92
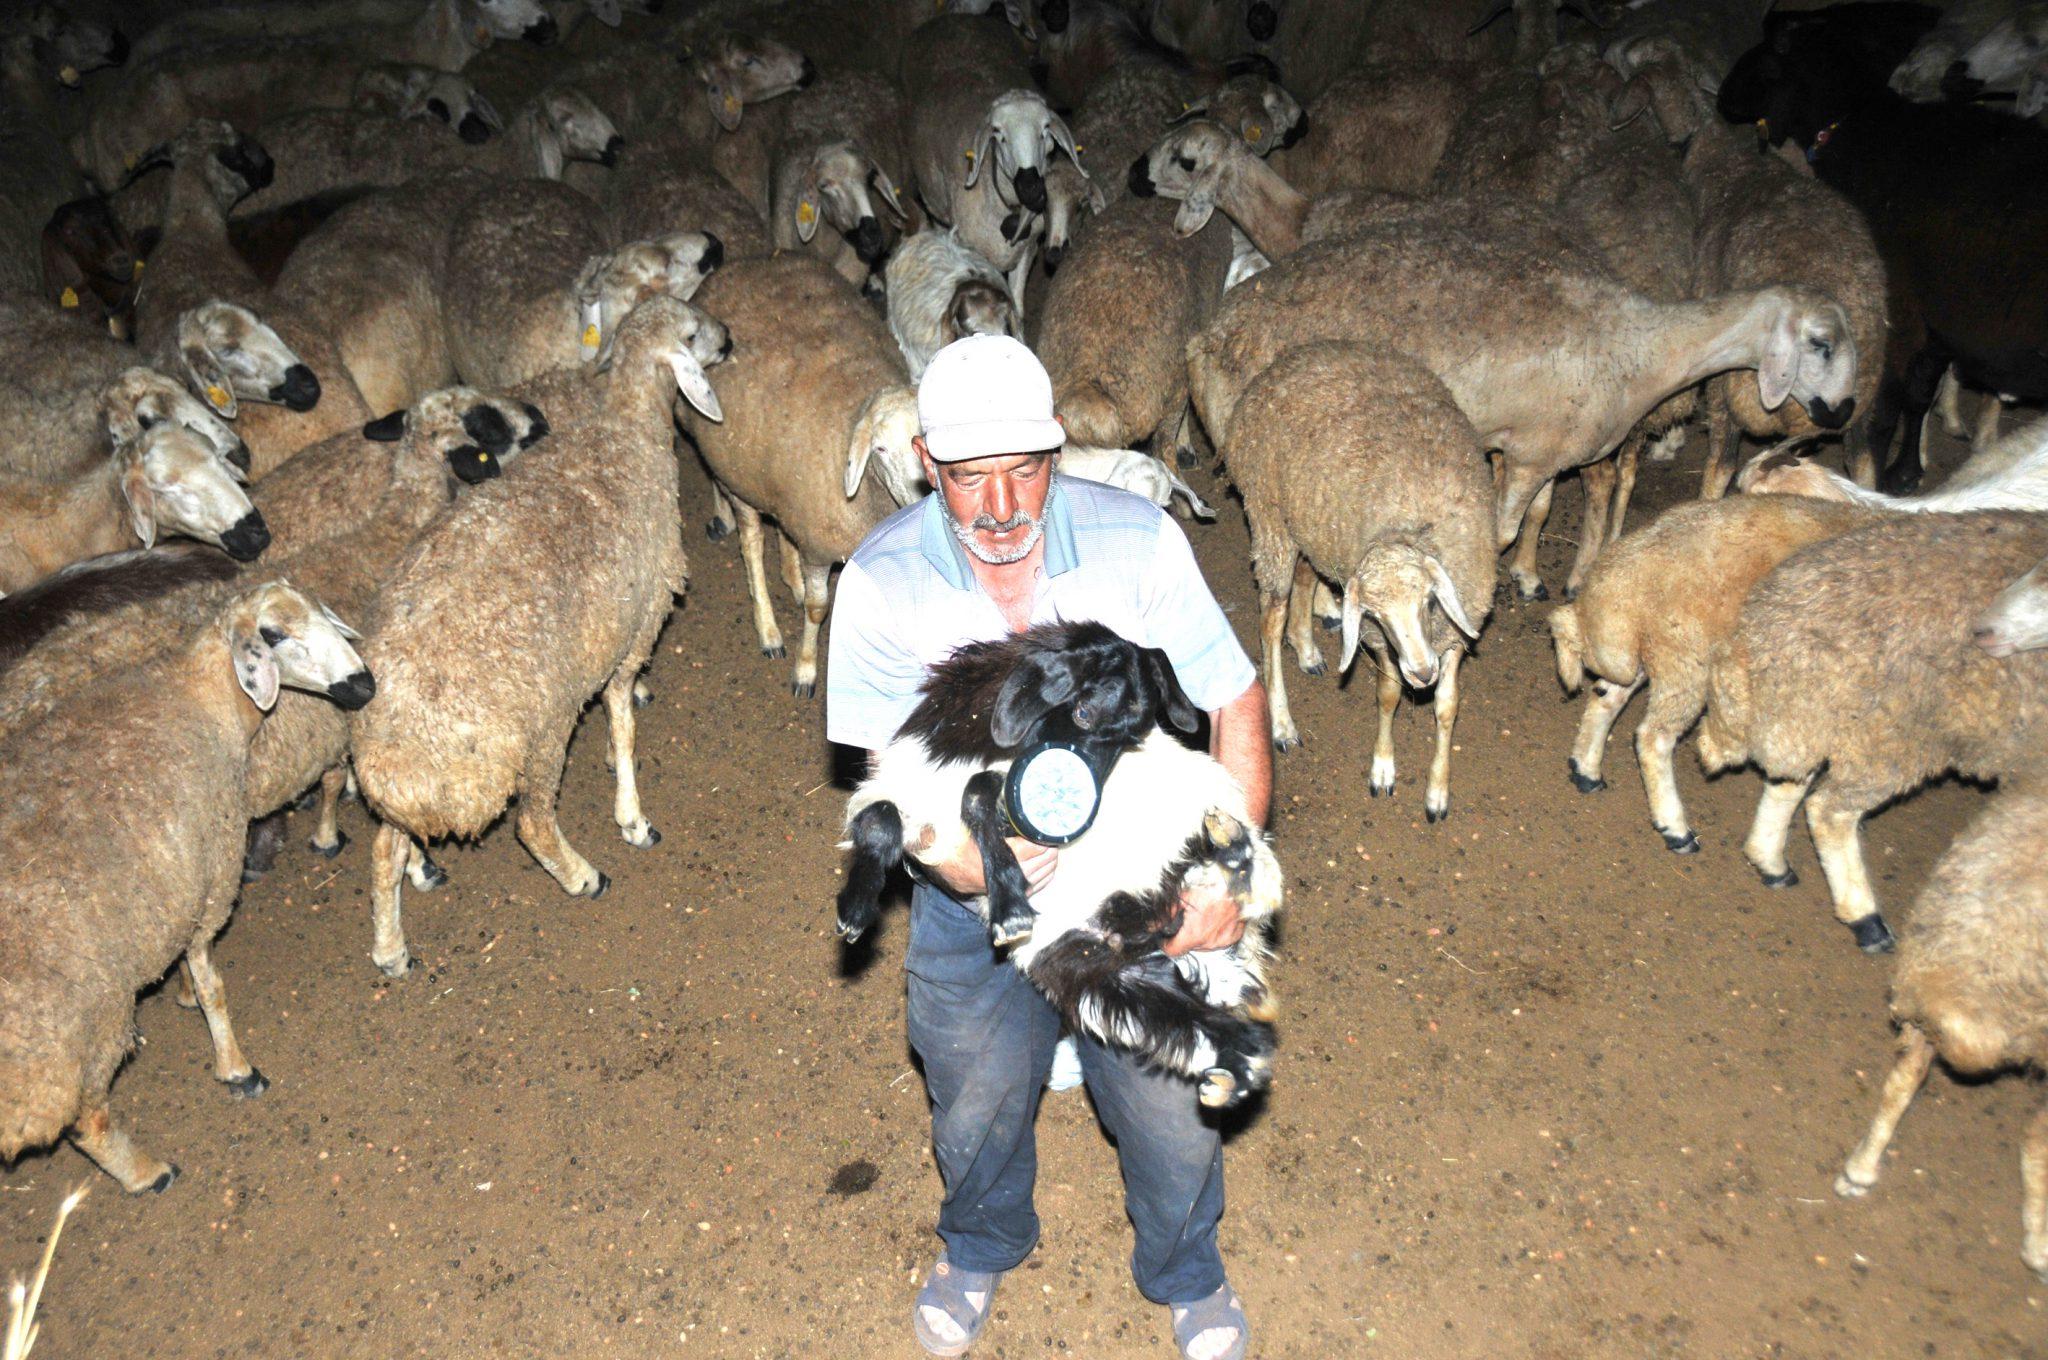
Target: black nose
x=249 y=160
x=473 y=129
x=239 y=456
x=1053 y=256
x=1030 y=186
x=1958 y=83
x=541 y=31
x=1295 y=133
x=1055 y=15
x=867 y=241
x=713 y=256
x=537 y=428
x=117 y=49
x=1830 y=417
x=610 y=155
x=488 y=427
x=810 y=73
x=725 y=350
x=300 y=390
x=1141 y=178
x=473 y=464
x=355 y=691
x=1262 y=22
x=246 y=539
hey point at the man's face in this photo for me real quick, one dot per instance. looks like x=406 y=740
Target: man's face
x=996 y=504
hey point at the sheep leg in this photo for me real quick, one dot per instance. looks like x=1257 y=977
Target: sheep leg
x=618 y=708
x=420 y=869
x=1626 y=462
x=751 y=545
x=1301 y=633
x=327 y=838
x=95 y=1135
x=1836 y=836
x=1671 y=710
x=792 y=563
x=228 y=1063
x=1771 y=828
x=720 y=525
x=817 y=583
x=1382 y=778
x=2034 y=1195
x=1598 y=479
x=1019 y=276
x=1272 y=627
x=1948 y=401
x=1604 y=704
x=1436 y=803
x=1185 y=454
x=1522 y=566
x=1724 y=446
x=540 y=783
x=1901 y=1084
x=388 y=857
x=1985 y=432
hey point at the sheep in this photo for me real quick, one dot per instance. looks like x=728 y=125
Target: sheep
x=110 y=881
x=939 y=290
x=90 y=264
x=813 y=389
x=1071 y=197
x=1205 y=167
x=167 y=481
x=1971 y=985
x=74 y=395
x=1855 y=655
x=100 y=585
x=1652 y=608
x=1082 y=41
x=1359 y=468
x=1551 y=359
x=2016 y=620
x=459 y=734
x=442 y=33
x=1926 y=73
x=1089 y=938
x=839 y=185
x=2010 y=474
x=658 y=189
x=1133 y=471
x=231 y=357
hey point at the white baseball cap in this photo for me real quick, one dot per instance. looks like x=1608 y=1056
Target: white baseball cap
x=983 y=396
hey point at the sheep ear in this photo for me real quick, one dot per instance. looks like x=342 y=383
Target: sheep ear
x=386 y=429
x=256 y=670
x=886 y=187
x=547 y=146
x=695 y=387
x=1180 y=710
x=1019 y=15
x=984 y=146
x=208 y=377
x=141 y=503
x=857 y=455
x=1447 y=597
x=487 y=111
x=351 y=634
x=1031 y=691
x=605 y=12
x=807 y=211
x=1780 y=362
x=1352 y=615
x=1097 y=200
x=1190 y=112
x=1632 y=103
x=725 y=107
x=1063 y=138
x=1195 y=210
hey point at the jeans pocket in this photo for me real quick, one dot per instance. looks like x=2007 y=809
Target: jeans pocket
x=948 y=943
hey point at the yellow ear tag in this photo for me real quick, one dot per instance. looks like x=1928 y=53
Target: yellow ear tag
x=138 y=269
x=69 y=298
x=1252 y=133
x=483 y=35
x=590 y=336
x=970 y=158
x=806 y=214
x=69 y=75
x=483 y=457
x=129 y=160
x=732 y=103
x=218 y=395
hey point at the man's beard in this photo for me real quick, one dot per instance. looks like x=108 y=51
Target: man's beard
x=995 y=557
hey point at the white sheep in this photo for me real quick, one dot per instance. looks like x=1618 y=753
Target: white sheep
x=939 y=290
x=2009 y=474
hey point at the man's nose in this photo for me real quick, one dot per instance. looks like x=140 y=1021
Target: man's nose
x=1002 y=500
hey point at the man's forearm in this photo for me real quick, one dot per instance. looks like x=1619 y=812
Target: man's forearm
x=1241 y=737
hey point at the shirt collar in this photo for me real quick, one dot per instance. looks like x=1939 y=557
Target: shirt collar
x=943 y=551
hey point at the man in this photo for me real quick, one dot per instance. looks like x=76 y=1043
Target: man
x=1002 y=544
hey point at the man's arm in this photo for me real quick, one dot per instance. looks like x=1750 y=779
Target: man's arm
x=963 y=874
x=1241 y=738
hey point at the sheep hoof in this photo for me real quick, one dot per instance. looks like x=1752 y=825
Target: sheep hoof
x=1571 y=593
x=252 y=874
x=604 y=883
x=1219 y=1088
x=1433 y=815
x=775 y=653
x=1688 y=844
x=1284 y=744
x=642 y=696
x=641 y=837
x=850 y=934
x=1331 y=623
x=164 y=1181
x=430 y=876
x=1315 y=667
x=1186 y=456
x=1003 y=934
x=1581 y=781
x=804 y=689
x=1849 y=1189
x=396 y=968
x=1787 y=879
x=1529 y=594
x=330 y=851
x=1873 y=936
x=251 y=1086
x=717 y=530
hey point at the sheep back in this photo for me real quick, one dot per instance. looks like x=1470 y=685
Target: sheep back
x=656 y=190
x=513 y=252
x=1379 y=127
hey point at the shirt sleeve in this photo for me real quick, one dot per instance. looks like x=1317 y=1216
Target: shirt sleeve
x=871 y=677
x=1182 y=617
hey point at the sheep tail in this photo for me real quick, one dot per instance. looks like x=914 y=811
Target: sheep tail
x=1724 y=731
x=1570 y=643
x=1092 y=416
x=877 y=836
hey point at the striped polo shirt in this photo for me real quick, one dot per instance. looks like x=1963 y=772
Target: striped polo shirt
x=907 y=598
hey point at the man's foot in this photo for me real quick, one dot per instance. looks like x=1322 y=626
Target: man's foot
x=1213 y=1328
x=952 y=1308
x=1066 y=1066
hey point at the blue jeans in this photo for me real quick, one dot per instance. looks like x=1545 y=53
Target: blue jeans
x=986 y=1037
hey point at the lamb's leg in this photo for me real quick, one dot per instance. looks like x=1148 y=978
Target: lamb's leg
x=1010 y=917
x=618 y=708
x=388 y=855
x=1673 y=706
x=792 y=563
x=1272 y=627
x=2034 y=1195
x=540 y=783
x=1522 y=566
x=327 y=838
x=1724 y=444
x=1836 y=836
x=1771 y=828
x=228 y=1063
x=751 y=545
x=95 y=1136
x=1604 y=702
x=877 y=835
x=1626 y=464
x=720 y=525
x=1301 y=633
x=817 y=583
x=1916 y=1052
x=1599 y=480
x=1382 y=777
x=1436 y=803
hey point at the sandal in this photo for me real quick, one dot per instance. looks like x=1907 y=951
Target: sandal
x=1220 y=1311
x=947 y=1289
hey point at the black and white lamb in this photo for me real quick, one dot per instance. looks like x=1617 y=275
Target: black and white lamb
x=1169 y=817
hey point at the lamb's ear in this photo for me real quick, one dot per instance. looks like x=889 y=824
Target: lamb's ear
x=1190 y=112
x=1780 y=362
x=141 y=502
x=1040 y=682
x=1180 y=710
x=1447 y=597
x=1195 y=210
x=256 y=669
x=1632 y=103
x=886 y=187
x=547 y=146
x=695 y=387
x=1019 y=15
x=984 y=146
x=386 y=429
x=1063 y=138
x=1351 y=615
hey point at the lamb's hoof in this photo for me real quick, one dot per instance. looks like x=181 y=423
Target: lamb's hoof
x=850 y=934
x=330 y=851
x=775 y=653
x=431 y=876
x=395 y=968
x=1788 y=879
x=1315 y=667
x=1581 y=781
x=1873 y=936
x=804 y=689
x=1222 y=829
x=1188 y=459
x=1007 y=933
x=1219 y=1088
x=251 y=1086
x=1849 y=1189
x=1688 y=844
x=1529 y=594
x=604 y=884
x=164 y=1181
x=717 y=530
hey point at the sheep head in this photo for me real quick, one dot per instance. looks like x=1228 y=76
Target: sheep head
x=613 y=283
x=1266 y=116
x=1068 y=193
x=1808 y=353
x=1017 y=140
x=564 y=124
x=739 y=69
x=509 y=19
x=687 y=340
x=64 y=46
x=229 y=355
x=174 y=483
x=278 y=635
x=978 y=307
x=881 y=439
x=142 y=398
x=475 y=433
x=841 y=185
x=1190 y=164
x=1395 y=584
x=2017 y=620
x=1083 y=682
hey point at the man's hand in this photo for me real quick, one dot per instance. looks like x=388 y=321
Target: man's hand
x=965 y=876
x=1037 y=861
x=1208 y=921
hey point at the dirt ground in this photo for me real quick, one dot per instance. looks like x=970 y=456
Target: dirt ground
x=1546 y=1089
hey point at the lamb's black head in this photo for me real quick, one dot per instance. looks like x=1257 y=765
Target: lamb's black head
x=1082 y=682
